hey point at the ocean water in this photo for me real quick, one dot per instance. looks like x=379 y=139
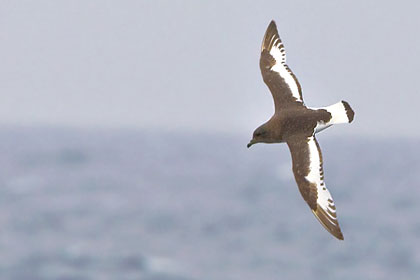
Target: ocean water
x=77 y=204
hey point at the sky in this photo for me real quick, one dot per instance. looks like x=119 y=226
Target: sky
x=194 y=65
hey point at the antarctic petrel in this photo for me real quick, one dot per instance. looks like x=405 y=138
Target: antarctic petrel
x=296 y=124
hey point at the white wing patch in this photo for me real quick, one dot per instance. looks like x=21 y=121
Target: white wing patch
x=316 y=176
x=278 y=51
x=279 y=54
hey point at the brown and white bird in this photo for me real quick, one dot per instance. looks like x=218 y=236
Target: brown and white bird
x=296 y=124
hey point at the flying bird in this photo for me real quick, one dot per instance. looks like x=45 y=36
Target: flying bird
x=297 y=124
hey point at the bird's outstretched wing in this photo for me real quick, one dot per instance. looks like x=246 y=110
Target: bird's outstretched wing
x=309 y=175
x=281 y=81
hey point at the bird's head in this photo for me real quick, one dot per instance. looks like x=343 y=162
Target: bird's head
x=261 y=134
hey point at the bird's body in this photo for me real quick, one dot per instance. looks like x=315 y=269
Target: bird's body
x=299 y=121
x=296 y=124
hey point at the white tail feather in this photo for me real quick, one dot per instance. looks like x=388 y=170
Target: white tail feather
x=341 y=112
x=338 y=113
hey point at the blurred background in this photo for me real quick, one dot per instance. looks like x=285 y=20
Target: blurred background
x=123 y=132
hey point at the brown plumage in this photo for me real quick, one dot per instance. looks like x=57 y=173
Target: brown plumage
x=296 y=124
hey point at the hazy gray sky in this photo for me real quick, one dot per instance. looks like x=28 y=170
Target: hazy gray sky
x=193 y=65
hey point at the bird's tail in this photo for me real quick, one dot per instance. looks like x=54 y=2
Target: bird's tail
x=341 y=112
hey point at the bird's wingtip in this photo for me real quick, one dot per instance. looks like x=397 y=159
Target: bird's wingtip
x=325 y=221
x=272 y=22
x=272 y=26
x=269 y=34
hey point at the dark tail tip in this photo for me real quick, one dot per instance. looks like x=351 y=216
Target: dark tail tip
x=349 y=111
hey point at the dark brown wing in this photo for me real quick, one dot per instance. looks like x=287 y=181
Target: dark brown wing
x=309 y=175
x=282 y=83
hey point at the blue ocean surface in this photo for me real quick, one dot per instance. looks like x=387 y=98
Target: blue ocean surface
x=79 y=204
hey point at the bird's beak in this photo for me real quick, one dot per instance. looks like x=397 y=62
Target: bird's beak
x=252 y=142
